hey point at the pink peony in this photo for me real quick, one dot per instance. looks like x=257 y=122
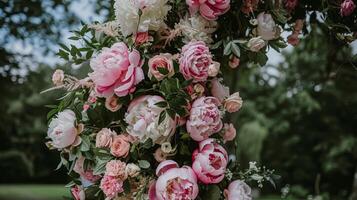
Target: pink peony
x=174 y=183
x=229 y=132
x=205 y=118
x=266 y=29
x=210 y=10
x=111 y=103
x=78 y=193
x=347 y=8
x=86 y=174
x=104 y=138
x=116 y=168
x=116 y=70
x=195 y=60
x=161 y=61
x=210 y=161
x=219 y=90
x=111 y=186
x=143 y=120
x=238 y=190
x=62 y=130
x=120 y=146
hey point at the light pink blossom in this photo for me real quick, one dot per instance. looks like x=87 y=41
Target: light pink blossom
x=104 y=138
x=174 y=183
x=161 y=61
x=229 y=132
x=209 y=161
x=233 y=103
x=57 y=77
x=219 y=90
x=116 y=168
x=213 y=69
x=111 y=186
x=347 y=8
x=205 y=118
x=120 y=146
x=87 y=174
x=266 y=29
x=210 y=10
x=111 y=103
x=238 y=190
x=195 y=60
x=116 y=70
x=233 y=62
x=78 y=193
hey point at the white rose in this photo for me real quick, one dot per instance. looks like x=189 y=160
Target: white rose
x=255 y=44
x=57 y=77
x=62 y=130
x=238 y=190
x=267 y=28
x=213 y=69
x=132 y=170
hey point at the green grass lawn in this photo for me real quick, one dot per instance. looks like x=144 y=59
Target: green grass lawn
x=33 y=192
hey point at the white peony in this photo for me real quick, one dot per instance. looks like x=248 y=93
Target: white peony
x=238 y=190
x=267 y=28
x=196 y=28
x=62 y=130
x=143 y=120
x=152 y=18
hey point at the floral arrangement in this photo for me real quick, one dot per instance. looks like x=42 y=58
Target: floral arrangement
x=148 y=122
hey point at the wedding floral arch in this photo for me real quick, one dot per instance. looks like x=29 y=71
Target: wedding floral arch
x=148 y=120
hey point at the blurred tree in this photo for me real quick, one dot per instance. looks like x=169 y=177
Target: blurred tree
x=307 y=108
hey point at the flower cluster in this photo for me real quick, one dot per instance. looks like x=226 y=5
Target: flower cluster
x=149 y=120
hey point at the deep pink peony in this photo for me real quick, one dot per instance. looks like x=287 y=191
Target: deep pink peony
x=205 y=118
x=209 y=161
x=211 y=9
x=78 y=193
x=116 y=70
x=86 y=174
x=111 y=186
x=195 y=60
x=238 y=190
x=347 y=8
x=174 y=183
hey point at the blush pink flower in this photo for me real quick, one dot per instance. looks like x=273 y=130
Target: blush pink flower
x=219 y=90
x=233 y=62
x=174 y=182
x=104 y=138
x=86 y=174
x=58 y=77
x=120 y=146
x=141 y=38
x=205 y=118
x=111 y=186
x=111 y=103
x=233 y=103
x=290 y=5
x=293 y=39
x=195 y=60
x=78 y=193
x=209 y=162
x=116 y=168
x=267 y=28
x=116 y=70
x=238 y=190
x=229 y=132
x=161 y=61
x=347 y=8
x=210 y=10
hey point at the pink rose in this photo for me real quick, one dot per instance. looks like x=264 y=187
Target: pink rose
x=209 y=161
x=249 y=6
x=238 y=190
x=205 y=118
x=255 y=44
x=62 y=130
x=195 y=60
x=229 y=132
x=141 y=38
x=161 y=61
x=111 y=103
x=116 y=168
x=116 y=70
x=111 y=186
x=347 y=8
x=104 y=138
x=57 y=77
x=120 y=146
x=233 y=103
x=210 y=10
x=78 y=193
x=86 y=174
x=266 y=29
x=159 y=155
x=174 y=183
x=219 y=90
x=290 y=5
x=293 y=39
x=233 y=62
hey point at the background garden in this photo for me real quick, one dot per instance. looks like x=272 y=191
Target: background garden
x=299 y=114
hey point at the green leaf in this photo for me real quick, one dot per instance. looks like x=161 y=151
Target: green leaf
x=227 y=49
x=162 y=116
x=89 y=54
x=236 y=49
x=74 y=38
x=163 y=71
x=64 y=46
x=144 y=164
x=147 y=144
x=85 y=144
x=217 y=44
x=262 y=58
x=213 y=193
x=161 y=104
